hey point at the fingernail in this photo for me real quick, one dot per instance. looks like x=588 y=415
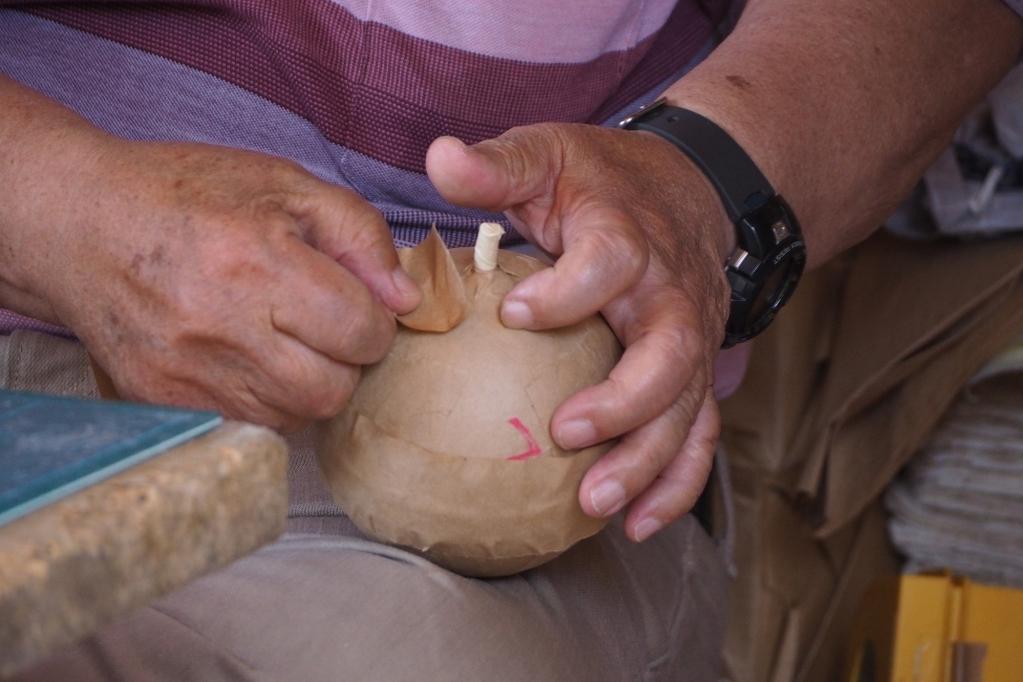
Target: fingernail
x=405 y=285
x=646 y=528
x=451 y=139
x=516 y=315
x=608 y=497
x=577 y=433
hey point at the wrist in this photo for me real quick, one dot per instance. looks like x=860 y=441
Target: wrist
x=739 y=113
x=698 y=199
x=52 y=177
x=770 y=255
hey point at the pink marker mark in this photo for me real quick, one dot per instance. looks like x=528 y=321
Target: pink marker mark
x=534 y=448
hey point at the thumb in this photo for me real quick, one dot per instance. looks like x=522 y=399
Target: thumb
x=496 y=174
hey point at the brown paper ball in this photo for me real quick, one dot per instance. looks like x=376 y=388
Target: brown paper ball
x=445 y=447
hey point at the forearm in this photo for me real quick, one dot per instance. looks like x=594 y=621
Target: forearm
x=844 y=104
x=45 y=150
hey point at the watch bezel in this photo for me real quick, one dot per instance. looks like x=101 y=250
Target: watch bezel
x=763 y=249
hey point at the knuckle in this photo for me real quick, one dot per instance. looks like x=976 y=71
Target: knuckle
x=638 y=395
x=650 y=462
x=652 y=450
x=668 y=343
x=288 y=171
x=616 y=251
x=687 y=345
x=232 y=249
x=310 y=391
x=239 y=400
x=526 y=148
x=687 y=482
x=516 y=163
x=372 y=233
x=679 y=490
x=335 y=393
x=632 y=252
x=354 y=203
x=675 y=337
x=365 y=335
x=545 y=139
x=685 y=410
x=647 y=467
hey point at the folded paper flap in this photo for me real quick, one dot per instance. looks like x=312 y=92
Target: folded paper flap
x=486 y=290
x=449 y=281
x=444 y=303
x=929 y=348
x=517 y=265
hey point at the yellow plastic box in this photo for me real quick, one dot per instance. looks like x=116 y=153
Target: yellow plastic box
x=938 y=628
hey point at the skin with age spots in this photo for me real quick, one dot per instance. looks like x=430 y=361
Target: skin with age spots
x=739 y=82
x=203 y=276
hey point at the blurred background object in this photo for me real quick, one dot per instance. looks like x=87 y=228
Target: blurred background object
x=976 y=186
x=959 y=505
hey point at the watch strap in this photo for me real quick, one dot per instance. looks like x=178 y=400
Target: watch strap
x=733 y=173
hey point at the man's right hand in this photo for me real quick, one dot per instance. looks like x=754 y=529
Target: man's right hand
x=212 y=277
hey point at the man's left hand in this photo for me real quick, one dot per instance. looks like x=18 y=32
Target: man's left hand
x=640 y=236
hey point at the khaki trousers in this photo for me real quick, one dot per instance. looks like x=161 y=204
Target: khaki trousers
x=325 y=603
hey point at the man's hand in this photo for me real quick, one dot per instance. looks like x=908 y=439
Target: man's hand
x=204 y=276
x=640 y=237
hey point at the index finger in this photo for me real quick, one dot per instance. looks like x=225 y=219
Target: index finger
x=604 y=256
x=323 y=305
x=344 y=226
x=651 y=374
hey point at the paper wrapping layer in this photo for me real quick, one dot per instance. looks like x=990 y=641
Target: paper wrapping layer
x=446 y=446
x=490 y=517
x=458 y=392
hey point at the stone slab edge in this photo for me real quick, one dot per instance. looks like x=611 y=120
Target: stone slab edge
x=80 y=563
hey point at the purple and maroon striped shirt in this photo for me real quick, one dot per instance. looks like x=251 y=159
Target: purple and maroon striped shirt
x=353 y=90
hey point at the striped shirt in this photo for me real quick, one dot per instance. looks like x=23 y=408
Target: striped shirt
x=353 y=90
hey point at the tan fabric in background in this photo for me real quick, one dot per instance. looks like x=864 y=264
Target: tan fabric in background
x=323 y=603
x=841 y=392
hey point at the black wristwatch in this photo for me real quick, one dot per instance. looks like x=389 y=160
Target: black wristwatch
x=769 y=256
